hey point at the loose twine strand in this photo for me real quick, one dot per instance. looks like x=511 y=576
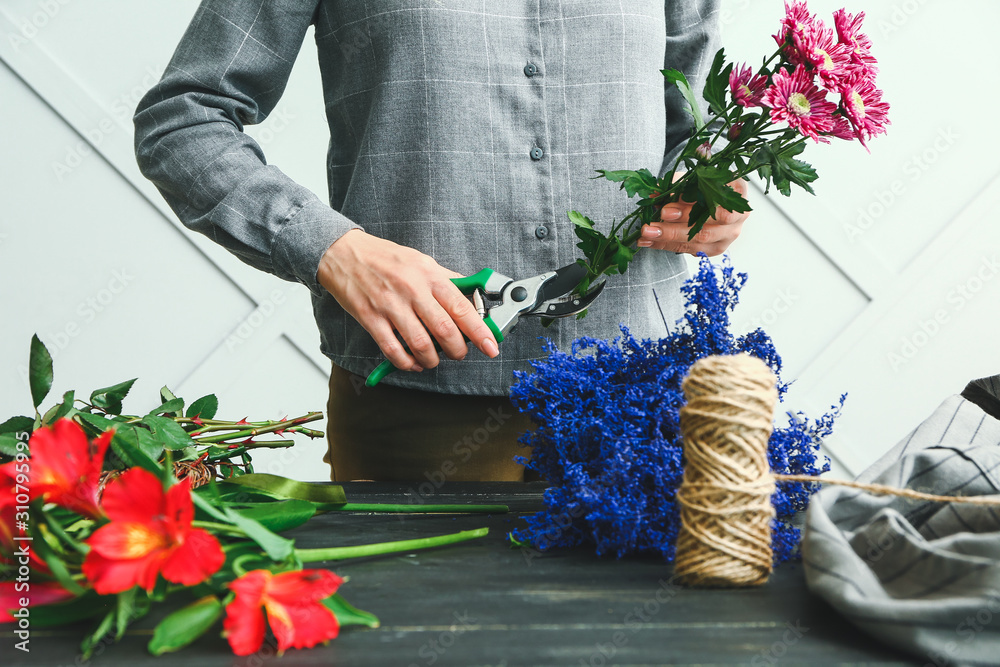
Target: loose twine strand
x=725 y=496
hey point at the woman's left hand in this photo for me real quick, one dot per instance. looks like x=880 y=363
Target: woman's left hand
x=671 y=233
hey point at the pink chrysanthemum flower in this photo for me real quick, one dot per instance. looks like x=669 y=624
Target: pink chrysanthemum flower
x=796 y=100
x=815 y=47
x=857 y=43
x=746 y=88
x=797 y=19
x=842 y=129
x=862 y=104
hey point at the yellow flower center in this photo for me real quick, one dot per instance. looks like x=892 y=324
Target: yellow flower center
x=827 y=61
x=139 y=541
x=857 y=104
x=798 y=104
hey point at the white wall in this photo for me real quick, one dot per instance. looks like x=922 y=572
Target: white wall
x=93 y=261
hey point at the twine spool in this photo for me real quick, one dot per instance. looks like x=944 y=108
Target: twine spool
x=725 y=496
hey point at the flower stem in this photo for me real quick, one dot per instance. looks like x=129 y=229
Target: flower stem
x=218 y=527
x=342 y=553
x=417 y=508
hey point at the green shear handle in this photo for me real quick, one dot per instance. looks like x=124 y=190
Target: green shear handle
x=467 y=285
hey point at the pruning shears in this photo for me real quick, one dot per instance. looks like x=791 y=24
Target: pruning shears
x=548 y=295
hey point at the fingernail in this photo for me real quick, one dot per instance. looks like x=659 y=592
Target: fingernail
x=645 y=244
x=490 y=348
x=670 y=214
x=416 y=369
x=651 y=232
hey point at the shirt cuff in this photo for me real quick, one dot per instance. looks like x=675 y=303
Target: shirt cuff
x=303 y=240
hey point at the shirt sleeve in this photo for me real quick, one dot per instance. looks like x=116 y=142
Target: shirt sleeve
x=230 y=70
x=692 y=40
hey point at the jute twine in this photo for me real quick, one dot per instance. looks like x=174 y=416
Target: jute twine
x=199 y=472
x=725 y=496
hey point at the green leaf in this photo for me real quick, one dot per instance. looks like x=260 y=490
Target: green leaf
x=282 y=487
x=590 y=241
x=205 y=407
x=623 y=255
x=8 y=444
x=168 y=432
x=110 y=398
x=131 y=607
x=173 y=407
x=616 y=176
x=100 y=424
x=347 y=614
x=135 y=446
x=580 y=220
x=93 y=640
x=717 y=84
x=86 y=606
x=17 y=425
x=281 y=515
x=185 y=625
x=677 y=78
x=64 y=409
x=166 y=394
x=56 y=565
x=277 y=548
x=39 y=371
x=714 y=186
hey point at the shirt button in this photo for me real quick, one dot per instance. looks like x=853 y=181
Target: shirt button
x=536 y=153
x=541 y=231
x=530 y=69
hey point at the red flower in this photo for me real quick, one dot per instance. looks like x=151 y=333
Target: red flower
x=13 y=475
x=150 y=533
x=292 y=601
x=795 y=99
x=65 y=468
x=36 y=595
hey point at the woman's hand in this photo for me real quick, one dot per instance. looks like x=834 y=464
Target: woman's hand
x=387 y=288
x=671 y=233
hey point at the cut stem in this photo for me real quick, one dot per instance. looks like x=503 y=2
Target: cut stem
x=342 y=553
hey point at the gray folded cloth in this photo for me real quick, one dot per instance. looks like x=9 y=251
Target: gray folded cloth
x=921 y=576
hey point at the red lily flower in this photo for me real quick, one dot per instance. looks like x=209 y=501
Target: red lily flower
x=150 y=533
x=292 y=600
x=66 y=469
x=12 y=475
x=8 y=493
x=36 y=594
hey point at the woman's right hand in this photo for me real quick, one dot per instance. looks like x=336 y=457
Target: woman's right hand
x=390 y=288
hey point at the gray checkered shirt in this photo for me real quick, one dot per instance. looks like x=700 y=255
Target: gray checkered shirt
x=462 y=128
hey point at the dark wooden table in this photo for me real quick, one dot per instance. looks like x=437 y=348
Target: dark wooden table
x=484 y=603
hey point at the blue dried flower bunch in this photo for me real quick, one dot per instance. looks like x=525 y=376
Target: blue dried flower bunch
x=608 y=434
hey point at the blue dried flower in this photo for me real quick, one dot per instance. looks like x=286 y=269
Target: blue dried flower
x=608 y=432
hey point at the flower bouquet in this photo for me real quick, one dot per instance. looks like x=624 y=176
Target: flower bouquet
x=103 y=515
x=819 y=84
x=608 y=433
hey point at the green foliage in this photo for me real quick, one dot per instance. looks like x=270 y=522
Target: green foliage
x=185 y=625
x=677 y=78
x=204 y=408
x=39 y=371
x=717 y=84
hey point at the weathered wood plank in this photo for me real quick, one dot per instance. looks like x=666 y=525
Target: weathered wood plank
x=485 y=603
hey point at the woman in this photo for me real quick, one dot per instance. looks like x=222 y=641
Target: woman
x=461 y=133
